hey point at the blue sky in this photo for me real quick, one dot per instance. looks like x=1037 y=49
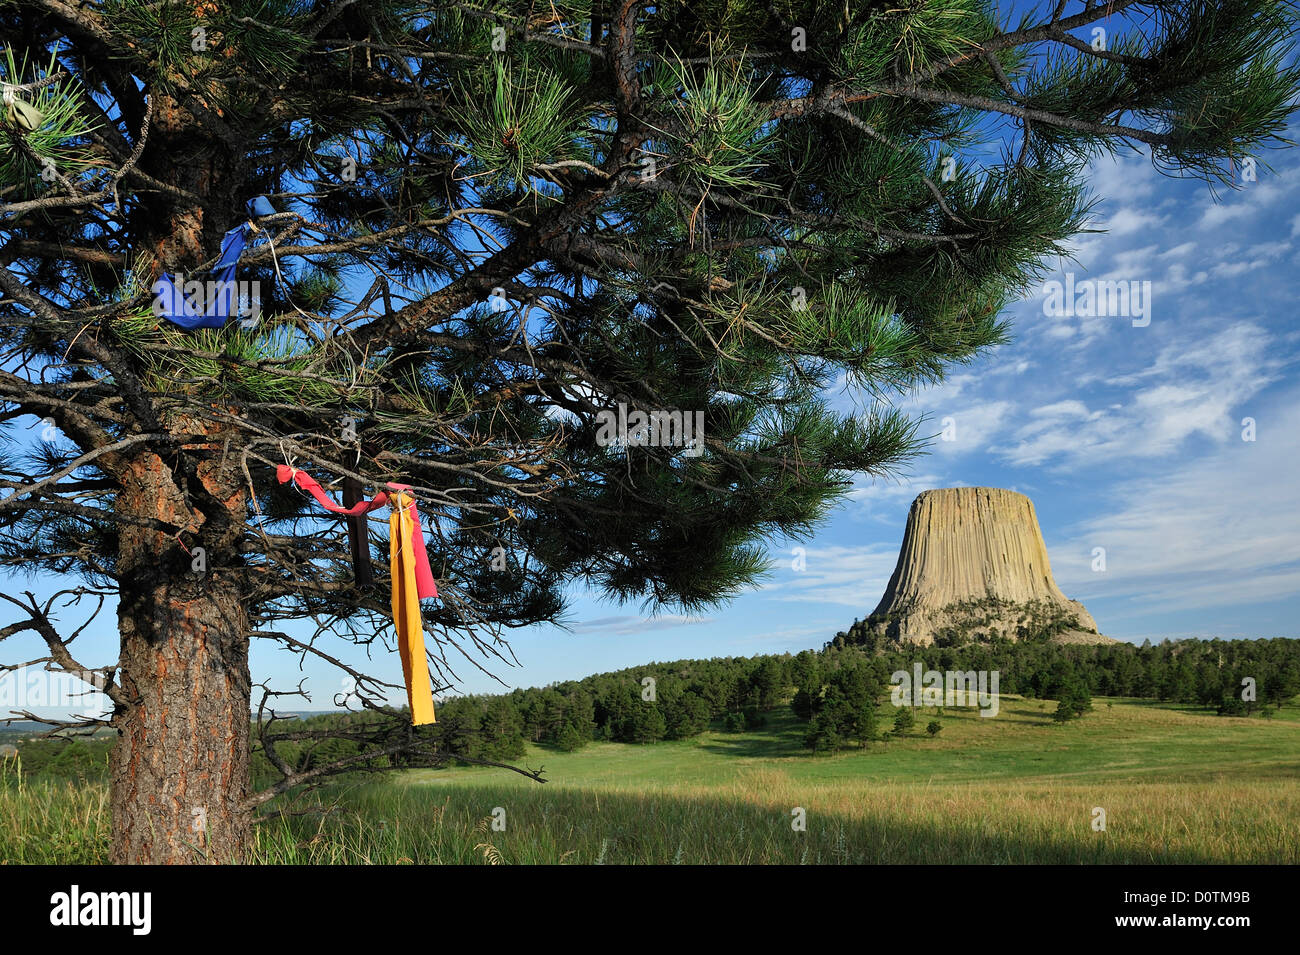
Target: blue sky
x=1126 y=437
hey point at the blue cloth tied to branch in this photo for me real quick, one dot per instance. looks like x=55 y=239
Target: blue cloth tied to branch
x=172 y=304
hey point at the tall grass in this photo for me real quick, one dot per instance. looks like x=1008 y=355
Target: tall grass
x=1176 y=787
x=749 y=823
x=754 y=822
x=51 y=823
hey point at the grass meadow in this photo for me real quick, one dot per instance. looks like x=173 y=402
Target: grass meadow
x=1177 y=785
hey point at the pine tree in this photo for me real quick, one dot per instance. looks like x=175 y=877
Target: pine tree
x=495 y=222
x=904 y=721
x=1073 y=700
x=823 y=734
x=569 y=739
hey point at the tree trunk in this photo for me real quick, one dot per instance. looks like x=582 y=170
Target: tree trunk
x=180 y=769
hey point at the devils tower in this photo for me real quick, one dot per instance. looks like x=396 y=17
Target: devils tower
x=973 y=565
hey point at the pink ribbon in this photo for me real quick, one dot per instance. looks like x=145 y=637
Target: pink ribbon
x=424 y=585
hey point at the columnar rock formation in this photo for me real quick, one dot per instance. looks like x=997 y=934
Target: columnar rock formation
x=973 y=564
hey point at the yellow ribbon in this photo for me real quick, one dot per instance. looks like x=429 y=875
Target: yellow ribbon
x=406 y=612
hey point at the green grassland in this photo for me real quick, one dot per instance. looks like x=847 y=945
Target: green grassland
x=1177 y=783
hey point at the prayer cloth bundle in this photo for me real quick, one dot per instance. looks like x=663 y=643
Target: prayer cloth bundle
x=193 y=312
x=411 y=576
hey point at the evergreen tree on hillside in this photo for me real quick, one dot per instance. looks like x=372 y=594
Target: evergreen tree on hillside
x=846 y=710
x=569 y=739
x=767 y=683
x=686 y=715
x=460 y=728
x=502 y=729
x=1073 y=700
x=579 y=717
x=1282 y=685
x=493 y=224
x=647 y=724
x=808 y=683
x=904 y=720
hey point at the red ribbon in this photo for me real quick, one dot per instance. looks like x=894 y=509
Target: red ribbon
x=424 y=585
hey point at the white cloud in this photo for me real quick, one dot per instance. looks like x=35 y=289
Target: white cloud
x=623 y=625
x=880 y=498
x=1123 y=181
x=963 y=427
x=853 y=576
x=1220 y=214
x=1127 y=221
x=791 y=637
x=1187 y=390
x=1178 y=251
x=1070 y=408
x=1253 y=200
x=1198 y=535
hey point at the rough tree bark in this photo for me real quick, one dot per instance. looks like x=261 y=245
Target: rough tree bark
x=180 y=769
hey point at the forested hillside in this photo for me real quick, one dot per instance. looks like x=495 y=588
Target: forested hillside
x=839 y=693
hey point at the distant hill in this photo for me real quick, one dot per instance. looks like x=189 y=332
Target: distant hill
x=23 y=728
